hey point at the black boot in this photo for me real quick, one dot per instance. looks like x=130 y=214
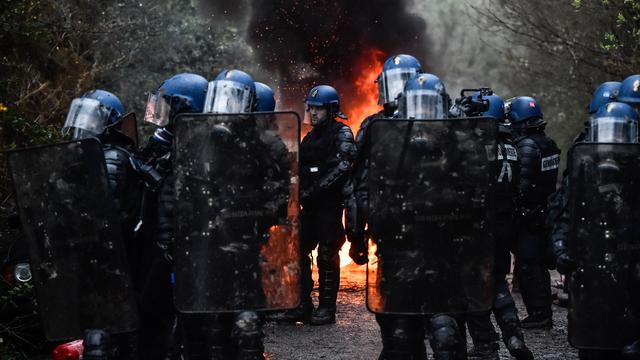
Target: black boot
x=538 y=320
x=518 y=349
x=323 y=316
x=631 y=351
x=300 y=314
x=485 y=351
x=402 y=337
x=329 y=283
x=97 y=345
x=504 y=308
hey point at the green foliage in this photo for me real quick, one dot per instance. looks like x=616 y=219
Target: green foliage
x=55 y=50
x=20 y=333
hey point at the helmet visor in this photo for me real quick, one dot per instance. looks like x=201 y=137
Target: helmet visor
x=391 y=83
x=157 y=110
x=87 y=117
x=423 y=104
x=613 y=130
x=227 y=97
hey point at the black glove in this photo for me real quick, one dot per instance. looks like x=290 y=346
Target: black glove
x=566 y=264
x=358 y=251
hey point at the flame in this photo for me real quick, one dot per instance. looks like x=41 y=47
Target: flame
x=362 y=100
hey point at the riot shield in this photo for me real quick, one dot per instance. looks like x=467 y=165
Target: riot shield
x=430 y=221
x=77 y=254
x=604 y=205
x=236 y=212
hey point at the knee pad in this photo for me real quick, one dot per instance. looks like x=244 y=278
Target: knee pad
x=445 y=332
x=247 y=331
x=503 y=299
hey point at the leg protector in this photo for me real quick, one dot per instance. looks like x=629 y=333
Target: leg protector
x=402 y=337
x=328 y=274
x=504 y=309
x=206 y=337
x=446 y=340
x=535 y=285
x=248 y=335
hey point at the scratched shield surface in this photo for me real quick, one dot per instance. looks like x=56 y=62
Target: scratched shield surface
x=430 y=203
x=237 y=211
x=604 y=237
x=77 y=254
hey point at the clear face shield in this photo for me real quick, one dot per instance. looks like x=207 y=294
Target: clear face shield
x=228 y=97
x=86 y=118
x=158 y=110
x=422 y=104
x=613 y=130
x=391 y=84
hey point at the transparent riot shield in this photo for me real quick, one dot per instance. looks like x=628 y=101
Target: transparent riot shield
x=430 y=221
x=77 y=254
x=236 y=212
x=604 y=238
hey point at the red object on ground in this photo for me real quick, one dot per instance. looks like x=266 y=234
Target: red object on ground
x=68 y=351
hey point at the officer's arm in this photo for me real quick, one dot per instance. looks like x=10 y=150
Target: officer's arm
x=560 y=230
x=118 y=167
x=340 y=167
x=530 y=156
x=166 y=203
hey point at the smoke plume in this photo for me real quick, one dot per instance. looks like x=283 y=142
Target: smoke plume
x=337 y=42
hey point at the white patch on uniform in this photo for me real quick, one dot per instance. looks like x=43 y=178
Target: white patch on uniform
x=512 y=153
x=313 y=169
x=550 y=162
x=506 y=170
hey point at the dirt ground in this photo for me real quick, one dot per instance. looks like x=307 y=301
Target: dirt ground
x=355 y=335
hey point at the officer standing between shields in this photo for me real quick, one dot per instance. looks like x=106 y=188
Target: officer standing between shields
x=424 y=97
x=506 y=191
x=603 y=293
x=326 y=155
x=556 y=222
x=228 y=335
x=540 y=159
x=99 y=114
x=182 y=93
x=395 y=73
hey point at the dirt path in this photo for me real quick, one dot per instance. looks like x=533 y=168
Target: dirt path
x=356 y=335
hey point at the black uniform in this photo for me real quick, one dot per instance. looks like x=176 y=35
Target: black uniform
x=126 y=181
x=402 y=335
x=157 y=316
x=481 y=329
x=326 y=155
x=540 y=160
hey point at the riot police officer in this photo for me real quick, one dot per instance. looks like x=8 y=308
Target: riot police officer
x=396 y=71
x=235 y=335
x=326 y=155
x=99 y=114
x=629 y=92
x=557 y=202
x=506 y=191
x=540 y=160
x=265 y=97
x=423 y=97
x=182 y=93
x=613 y=123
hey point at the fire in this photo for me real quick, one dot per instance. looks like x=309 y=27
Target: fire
x=359 y=101
x=362 y=100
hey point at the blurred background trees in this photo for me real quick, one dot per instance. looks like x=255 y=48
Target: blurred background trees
x=54 y=50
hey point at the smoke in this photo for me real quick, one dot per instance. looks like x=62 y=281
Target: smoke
x=299 y=44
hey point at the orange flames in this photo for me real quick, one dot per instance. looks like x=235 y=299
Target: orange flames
x=362 y=99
